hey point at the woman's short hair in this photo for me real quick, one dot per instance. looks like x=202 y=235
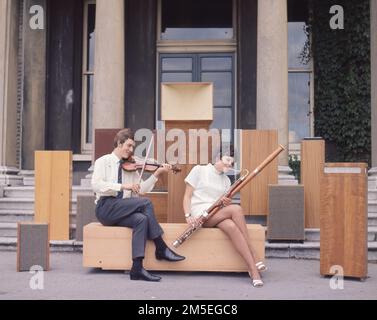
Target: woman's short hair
x=122 y=136
x=225 y=151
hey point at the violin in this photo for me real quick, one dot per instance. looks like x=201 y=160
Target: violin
x=133 y=164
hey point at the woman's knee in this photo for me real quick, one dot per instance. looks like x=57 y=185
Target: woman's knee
x=236 y=210
x=227 y=225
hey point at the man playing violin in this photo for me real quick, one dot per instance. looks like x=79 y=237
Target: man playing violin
x=116 y=205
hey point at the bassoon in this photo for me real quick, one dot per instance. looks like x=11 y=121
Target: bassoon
x=235 y=187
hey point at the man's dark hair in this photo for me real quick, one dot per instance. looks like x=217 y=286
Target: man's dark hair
x=122 y=136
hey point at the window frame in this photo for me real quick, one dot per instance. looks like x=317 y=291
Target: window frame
x=295 y=148
x=183 y=43
x=86 y=148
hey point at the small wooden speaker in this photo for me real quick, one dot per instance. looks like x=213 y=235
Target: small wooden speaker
x=286 y=219
x=85 y=214
x=33 y=246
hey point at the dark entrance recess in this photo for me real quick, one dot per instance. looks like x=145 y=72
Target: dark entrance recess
x=247 y=64
x=64 y=63
x=140 y=65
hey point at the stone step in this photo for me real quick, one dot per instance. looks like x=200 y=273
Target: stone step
x=285 y=170
x=313 y=235
x=372 y=206
x=8 y=229
x=10 y=244
x=372 y=233
x=28 y=204
x=25 y=204
x=28 y=192
x=8 y=215
x=372 y=194
x=372 y=182
x=307 y=250
x=287 y=182
x=372 y=219
x=11 y=215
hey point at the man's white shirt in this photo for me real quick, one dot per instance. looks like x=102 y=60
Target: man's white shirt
x=105 y=178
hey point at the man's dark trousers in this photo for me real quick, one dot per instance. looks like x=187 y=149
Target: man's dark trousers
x=136 y=213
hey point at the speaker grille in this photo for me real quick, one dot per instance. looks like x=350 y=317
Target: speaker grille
x=286 y=213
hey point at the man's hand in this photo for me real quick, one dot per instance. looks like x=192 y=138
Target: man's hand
x=165 y=168
x=133 y=187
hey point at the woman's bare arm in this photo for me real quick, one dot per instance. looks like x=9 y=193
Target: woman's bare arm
x=187 y=199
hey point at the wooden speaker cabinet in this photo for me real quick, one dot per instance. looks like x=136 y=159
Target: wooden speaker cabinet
x=53 y=183
x=33 y=246
x=344 y=219
x=256 y=146
x=86 y=213
x=286 y=218
x=312 y=164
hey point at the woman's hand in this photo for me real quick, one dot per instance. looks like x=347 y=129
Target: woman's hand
x=133 y=187
x=226 y=201
x=194 y=221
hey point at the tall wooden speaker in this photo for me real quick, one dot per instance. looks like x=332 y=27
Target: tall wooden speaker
x=344 y=220
x=256 y=146
x=53 y=184
x=312 y=164
x=185 y=106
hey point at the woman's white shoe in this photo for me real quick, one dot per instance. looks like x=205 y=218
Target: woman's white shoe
x=257 y=283
x=261 y=266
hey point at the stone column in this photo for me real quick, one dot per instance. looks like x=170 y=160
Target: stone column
x=34 y=90
x=109 y=69
x=373 y=38
x=109 y=65
x=8 y=93
x=272 y=70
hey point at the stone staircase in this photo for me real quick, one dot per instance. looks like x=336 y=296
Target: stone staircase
x=16 y=204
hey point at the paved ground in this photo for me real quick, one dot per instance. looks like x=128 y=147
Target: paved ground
x=285 y=279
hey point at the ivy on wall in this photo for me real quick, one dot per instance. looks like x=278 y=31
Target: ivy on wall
x=342 y=79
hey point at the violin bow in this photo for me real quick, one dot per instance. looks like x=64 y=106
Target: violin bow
x=145 y=160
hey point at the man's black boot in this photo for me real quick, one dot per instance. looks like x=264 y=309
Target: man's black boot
x=168 y=254
x=143 y=274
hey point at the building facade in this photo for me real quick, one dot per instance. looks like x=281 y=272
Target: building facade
x=69 y=67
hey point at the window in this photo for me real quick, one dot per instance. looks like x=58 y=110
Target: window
x=300 y=75
x=196 y=20
x=88 y=75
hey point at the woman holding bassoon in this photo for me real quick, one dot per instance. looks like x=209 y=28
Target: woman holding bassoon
x=204 y=185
